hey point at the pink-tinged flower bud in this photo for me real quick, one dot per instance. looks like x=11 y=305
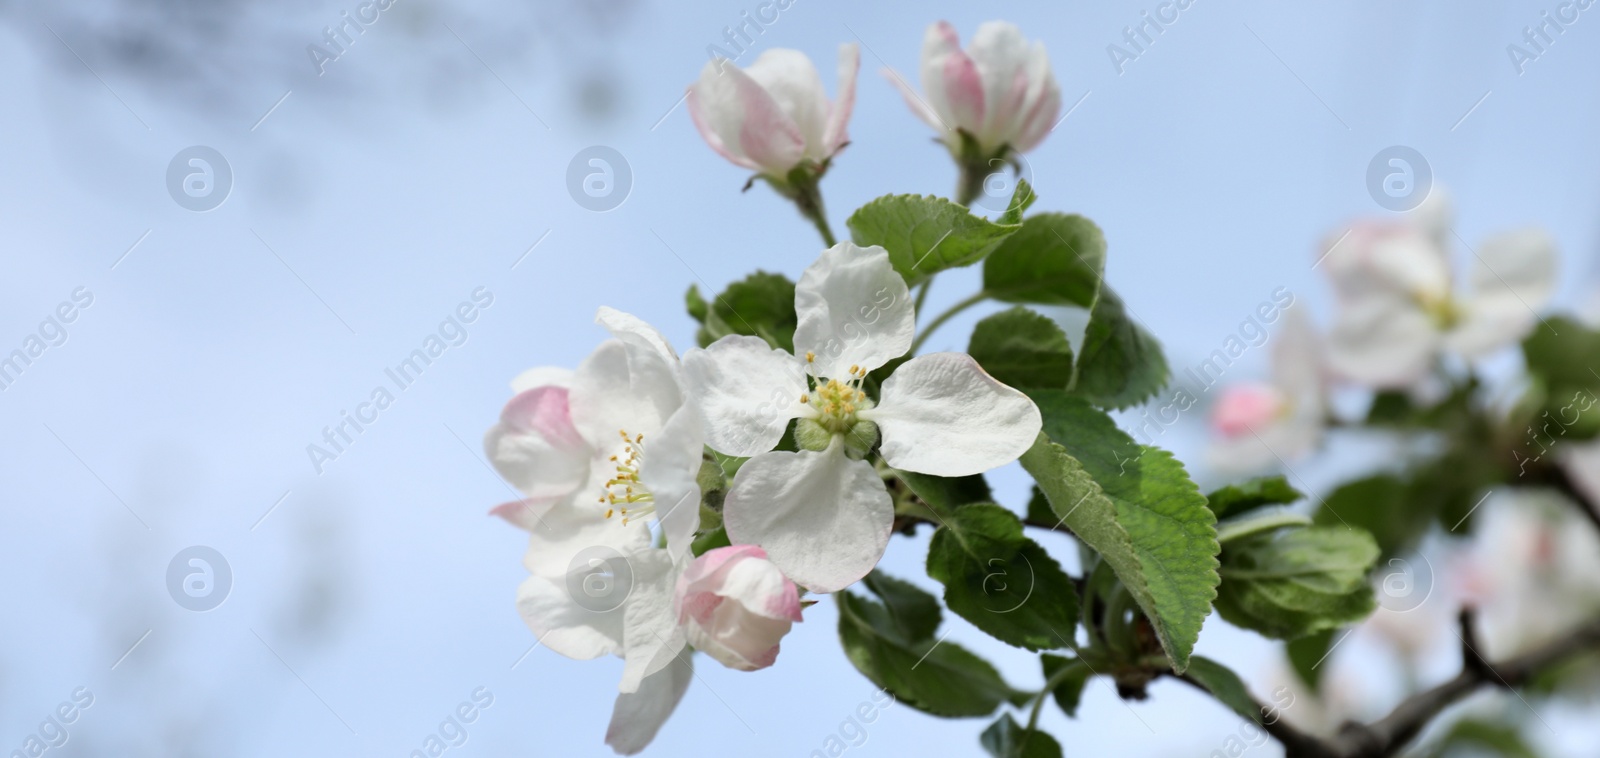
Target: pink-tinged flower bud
x=1245 y=408
x=735 y=606
x=999 y=91
x=774 y=115
x=536 y=447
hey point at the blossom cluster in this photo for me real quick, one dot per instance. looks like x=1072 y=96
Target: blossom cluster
x=1401 y=313
x=609 y=458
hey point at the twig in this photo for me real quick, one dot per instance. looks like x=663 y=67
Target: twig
x=1557 y=478
x=1388 y=735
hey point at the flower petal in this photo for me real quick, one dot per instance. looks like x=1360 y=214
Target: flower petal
x=1001 y=55
x=637 y=716
x=543 y=376
x=568 y=628
x=699 y=114
x=837 y=131
x=634 y=331
x=670 y=472
x=759 y=586
x=568 y=547
x=918 y=106
x=623 y=386
x=963 y=93
x=746 y=121
x=942 y=414
x=1514 y=275
x=1382 y=339
x=939 y=42
x=854 y=310
x=1393 y=257
x=1044 y=102
x=823 y=519
x=747 y=393
x=536 y=447
x=1297 y=369
x=651 y=637
x=791 y=79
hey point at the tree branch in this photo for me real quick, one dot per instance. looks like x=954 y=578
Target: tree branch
x=1388 y=735
x=1556 y=477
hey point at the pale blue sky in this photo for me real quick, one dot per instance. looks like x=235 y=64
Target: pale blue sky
x=375 y=197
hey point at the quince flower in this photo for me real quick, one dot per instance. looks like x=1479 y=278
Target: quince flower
x=736 y=606
x=823 y=514
x=1398 y=306
x=1000 y=92
x=598 y=453
x=1257 y=423
x=774 y=115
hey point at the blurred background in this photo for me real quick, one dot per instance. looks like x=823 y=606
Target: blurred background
x=357 y=200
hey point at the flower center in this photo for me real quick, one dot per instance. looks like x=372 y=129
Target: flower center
x=624 y=493
x=837 y=403
x=835 y=409
x=1444 y=310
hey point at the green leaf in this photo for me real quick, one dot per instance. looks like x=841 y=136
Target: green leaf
x=915 y=613
x=1252 y=523
x=1137 y=507
x=1054 y=259
x=1039 y=508
x=1475 y=737
x=1021 y=200
x=1001 y=581
x=925 y=234
x=1381 y=506
x=1235 y=499
x=1121 y=364
x=885 y=642
x=1022 y=349
x=1297 y=581
x=696 y=304
x=1563 y=357
x=1306 y=655
x=760 y=305
x=1008 y=739
x=945 y=493
x=1069 y=691
x=1224 y=685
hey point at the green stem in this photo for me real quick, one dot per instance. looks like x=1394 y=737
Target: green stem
x=922 y=293
x=939 y=320
x=1117 y=634
x=970 y=184
x=808 y=197
x=1050 y=685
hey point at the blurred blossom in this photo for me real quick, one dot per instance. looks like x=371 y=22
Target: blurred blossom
x=1399 y=305
x=1255 y=424
x=1533 y=571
